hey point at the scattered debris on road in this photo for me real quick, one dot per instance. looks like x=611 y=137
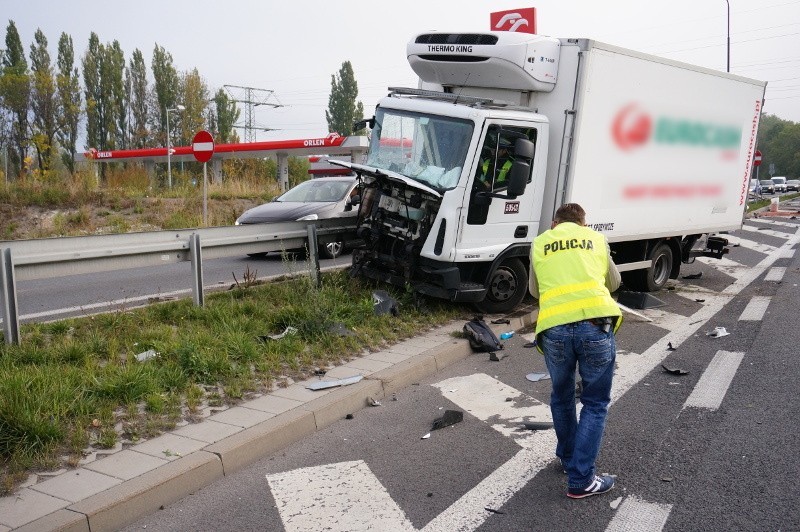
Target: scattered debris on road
x=450 y=417
x=288 y=330
x=147 y=355
x=694 y=276
x=669 y=347
x=372 y=402
x=536 y=377
x=322 y=385
x=718 y=332
x=497 y=357
x=537 y=425
x=674 y=371
x=501 y=320
x=383 y=303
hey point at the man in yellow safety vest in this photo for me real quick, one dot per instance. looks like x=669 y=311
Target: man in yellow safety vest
x=572 y=274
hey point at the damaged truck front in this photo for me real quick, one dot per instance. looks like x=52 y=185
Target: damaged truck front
x=465 y=170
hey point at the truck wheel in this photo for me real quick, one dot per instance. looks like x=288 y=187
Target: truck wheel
x=331 y=250
x=507 y=288
x=656 y=276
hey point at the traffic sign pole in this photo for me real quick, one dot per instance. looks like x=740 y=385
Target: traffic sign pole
x=203 y=149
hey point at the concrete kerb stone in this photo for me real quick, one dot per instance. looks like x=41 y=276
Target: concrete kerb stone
x=342 y=401
x=272 y=435
x=121 y=505
x=61 y=520
x=405 y=373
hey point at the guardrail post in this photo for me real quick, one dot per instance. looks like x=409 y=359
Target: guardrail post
x=313 y=254
x=197 y=269
x=9 y=293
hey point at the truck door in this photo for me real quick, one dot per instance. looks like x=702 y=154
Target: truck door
x=492 y=223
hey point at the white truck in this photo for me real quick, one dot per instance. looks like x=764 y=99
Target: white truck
x=657 y=152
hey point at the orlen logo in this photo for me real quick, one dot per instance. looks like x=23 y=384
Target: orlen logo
x=631 y=127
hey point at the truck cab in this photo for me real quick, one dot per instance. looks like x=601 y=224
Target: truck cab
x=452 y=196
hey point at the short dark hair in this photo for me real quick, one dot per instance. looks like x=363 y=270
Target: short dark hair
x=571 y=212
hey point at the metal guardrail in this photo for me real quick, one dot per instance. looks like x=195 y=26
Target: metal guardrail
x=49 y=258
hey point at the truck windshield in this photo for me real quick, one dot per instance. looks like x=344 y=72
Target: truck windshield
x=430 y=149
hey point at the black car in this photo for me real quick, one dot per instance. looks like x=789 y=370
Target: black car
x=315 y=199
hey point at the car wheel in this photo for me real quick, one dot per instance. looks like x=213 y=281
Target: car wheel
x=331 y=250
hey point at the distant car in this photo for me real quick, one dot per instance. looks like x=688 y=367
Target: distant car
x=780 y=184
x=767 y=186
x=793 y=184
x=315 y=199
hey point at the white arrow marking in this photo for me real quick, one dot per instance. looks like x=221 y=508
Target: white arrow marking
x=343 y=496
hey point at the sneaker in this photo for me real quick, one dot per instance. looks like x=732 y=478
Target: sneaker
x=598 y=485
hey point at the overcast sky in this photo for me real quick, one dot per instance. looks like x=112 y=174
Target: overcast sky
x=293 y=47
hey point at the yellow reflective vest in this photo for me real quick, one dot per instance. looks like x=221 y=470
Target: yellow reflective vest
x=571 y=262
x=501 y=175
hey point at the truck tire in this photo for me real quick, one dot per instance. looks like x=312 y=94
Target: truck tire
x=656 y=276
x=507 y=287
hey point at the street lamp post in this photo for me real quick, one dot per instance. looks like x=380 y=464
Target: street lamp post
x=169 y=147
x=729 y=34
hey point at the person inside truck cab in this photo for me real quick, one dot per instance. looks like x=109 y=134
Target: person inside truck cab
x=493 y=171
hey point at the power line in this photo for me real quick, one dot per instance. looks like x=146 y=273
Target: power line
x=252 y=98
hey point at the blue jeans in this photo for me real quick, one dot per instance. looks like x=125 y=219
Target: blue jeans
x=593 y=351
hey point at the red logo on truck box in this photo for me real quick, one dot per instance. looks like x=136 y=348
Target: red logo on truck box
x=631 y=127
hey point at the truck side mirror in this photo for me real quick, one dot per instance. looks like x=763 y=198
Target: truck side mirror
x=361 y=124
x=518 y=178
x=521 y=169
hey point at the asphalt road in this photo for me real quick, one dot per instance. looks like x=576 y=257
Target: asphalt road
x=714 y=449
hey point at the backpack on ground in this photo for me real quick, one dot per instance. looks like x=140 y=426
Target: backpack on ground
x=480 y=335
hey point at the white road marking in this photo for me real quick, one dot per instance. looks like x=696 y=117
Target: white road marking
x=755 y=309
x=637 y=515
x=715 y=381
x=773 y=221
x=787 y=253
x=724 y=262
x=750 y=244
x=346 y=496
x=763 y=231
x=664 y=319
x=775 y=274
x=485 y=398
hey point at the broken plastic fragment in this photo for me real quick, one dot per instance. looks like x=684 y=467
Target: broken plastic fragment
x=147 y=355
x=383 y=303
x=537 y=425
x=321 y=385
x=718 y=332
x=669 y=347
x=493 y=510
x=536 y=377
x=428 y=435
x=496 y=357
x=287 y=330
x=450 y=417
x=674 y=371
x=372 y=402
x=501 y=320
x=694 y=276
x=530 y=344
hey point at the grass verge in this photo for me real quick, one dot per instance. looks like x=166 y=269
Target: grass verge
x=76 y=385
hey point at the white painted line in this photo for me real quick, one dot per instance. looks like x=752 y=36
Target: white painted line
x=769 y=232
x=343 y=496
x=468 y=512
x=485 y=398
x=787 y=254
x=775 y=274
x=750 y=244
x=774 y=221
x=715 y=381
x=724 y=262
x=637 y=515
x=755 y=309
x=664 y=319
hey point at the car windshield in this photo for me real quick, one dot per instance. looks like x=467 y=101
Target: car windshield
x=317 y=190
x=430 y=149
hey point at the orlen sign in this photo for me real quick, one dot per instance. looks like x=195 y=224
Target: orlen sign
x=519 y=20
x=633 y=127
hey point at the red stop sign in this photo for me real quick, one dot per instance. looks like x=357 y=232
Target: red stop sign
x=757 y=159
x=203 y=146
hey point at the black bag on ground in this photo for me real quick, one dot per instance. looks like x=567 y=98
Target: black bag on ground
x=480 y=336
